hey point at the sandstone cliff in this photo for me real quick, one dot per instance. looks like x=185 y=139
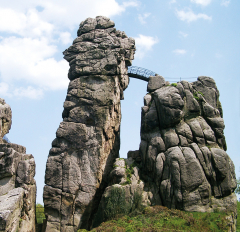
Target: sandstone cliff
x=181 y=162
x=17 y=184
x=87 y=141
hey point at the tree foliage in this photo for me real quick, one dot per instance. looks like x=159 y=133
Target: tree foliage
x=40 y=216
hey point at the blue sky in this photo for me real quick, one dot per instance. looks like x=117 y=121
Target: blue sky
x=175 y=38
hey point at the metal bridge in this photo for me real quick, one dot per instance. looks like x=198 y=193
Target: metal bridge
x=144 y=74
x=140 y=73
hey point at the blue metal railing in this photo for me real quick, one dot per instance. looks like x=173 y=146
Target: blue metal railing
x=140 y=73
x=144 y=74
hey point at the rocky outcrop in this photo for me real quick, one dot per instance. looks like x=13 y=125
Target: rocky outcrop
x=183 y=148
x=181 y=162
x=17 y=184
x=87 y=141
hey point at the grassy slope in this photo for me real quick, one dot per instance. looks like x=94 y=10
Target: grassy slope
x=159 y=218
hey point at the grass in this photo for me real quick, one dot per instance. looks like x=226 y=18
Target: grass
x=174 y=84
x=159 y=218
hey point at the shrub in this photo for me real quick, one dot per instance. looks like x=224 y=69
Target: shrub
x=115 y=204
x=174 y=84
x=40 y=216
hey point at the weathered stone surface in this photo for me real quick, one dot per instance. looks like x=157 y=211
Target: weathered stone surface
x=5 y=118
x=155 y=82
x=87 y=141
x=188 y=168
x=169 y=106
x=17 y=184
x=11 y=205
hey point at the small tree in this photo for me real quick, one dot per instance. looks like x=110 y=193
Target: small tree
x=40 y=216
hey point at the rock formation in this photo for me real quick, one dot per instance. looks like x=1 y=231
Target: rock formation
x=87 y=141
x=17 y=184
x=183 y=147
x=181 y=162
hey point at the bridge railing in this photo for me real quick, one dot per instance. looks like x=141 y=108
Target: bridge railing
x=140 y=71
x=144 y=74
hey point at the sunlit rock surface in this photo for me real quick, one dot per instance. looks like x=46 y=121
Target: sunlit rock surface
x=88 y=140
x=17 y=184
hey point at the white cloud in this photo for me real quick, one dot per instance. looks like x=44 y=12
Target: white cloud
x=144 y=44
x=65 y=37
x=31 y=60
x=202 y=2
x=182 y=34
x=190 y=16
x=28 y=92
x=7 y=90
x=172 y=1
x=225 y=3
x=4 y=89
x=180 y=51
x=70 y=13
x=142 y=18
x=26 y=25
x=32 y=31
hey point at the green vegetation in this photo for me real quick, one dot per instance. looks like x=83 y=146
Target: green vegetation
x=129 y=172
x=159 y=218
x=174 y=84
x=195 y=95
x=116 y=204
x=40 y=216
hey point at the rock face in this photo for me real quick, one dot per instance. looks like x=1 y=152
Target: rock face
x=5 y=118
x=17 y=184
x=87 y=141
x=183 y=149
x=181 y=162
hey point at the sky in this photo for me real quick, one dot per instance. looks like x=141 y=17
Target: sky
x=178 y=39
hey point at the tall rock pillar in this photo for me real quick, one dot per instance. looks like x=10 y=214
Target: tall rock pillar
x=88 y=140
